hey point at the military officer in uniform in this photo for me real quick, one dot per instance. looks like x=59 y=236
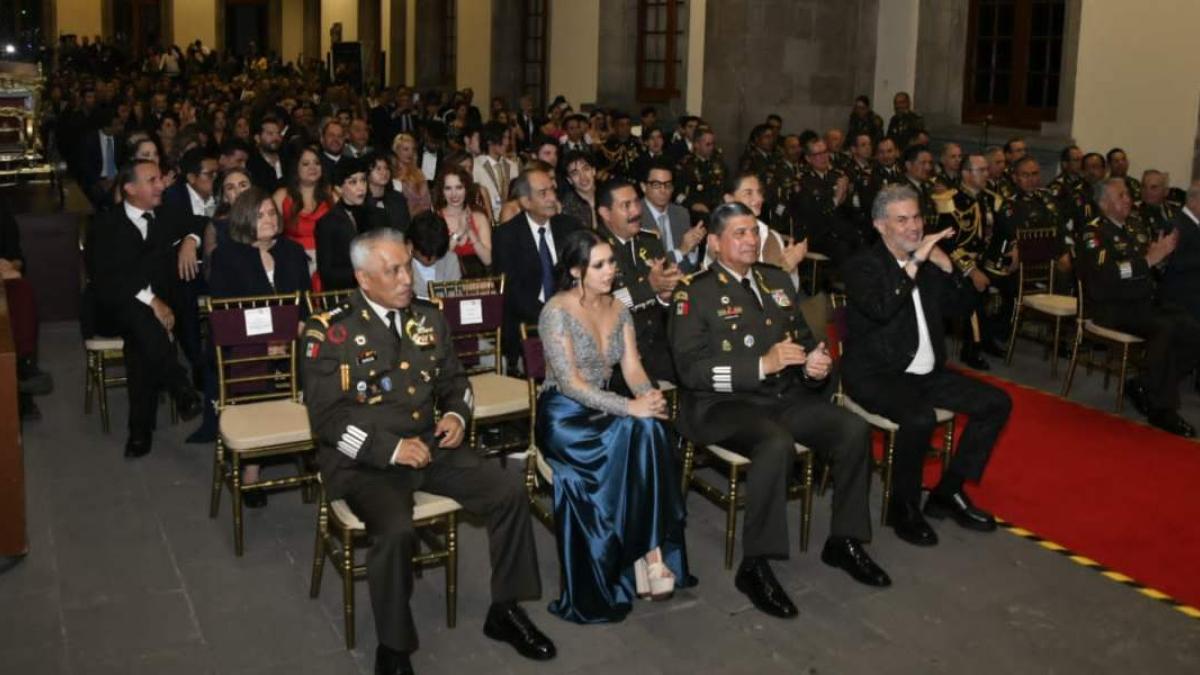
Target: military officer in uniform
x=865 y=182
x=971 y=212
x=1115 y=257
x=918 y=170
x=645 y=280
x=787 y=181
x=821 y=205
x=376 y=372
x=621 y=151
x=703 y=175
x=1154 y=209
x=761 y=158
x=887 y=154
x=1118 y=167
x=906 y=123
x=1030 y=208
x=1068 y=188
x=998 y=173
x=949 y=167
x=754 y=379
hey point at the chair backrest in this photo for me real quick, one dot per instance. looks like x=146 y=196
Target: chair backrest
x=1038 y=249
x=323 y=301
x=475 y=324
x=493 y=285
x=255 y=343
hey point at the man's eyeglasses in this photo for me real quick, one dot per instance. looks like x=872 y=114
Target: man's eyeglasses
x=660 y=185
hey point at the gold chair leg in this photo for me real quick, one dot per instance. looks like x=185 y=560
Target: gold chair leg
x=1054 y=346
x=947 y=444
x=731 y=516
x=689 y=464
x=214 y=503
x=89 y=382
x=102 y=394
x=347 y=572
x=1121 y=381
x=806 y=516
x=235 y=494
x=314 y=587
x=889 y=452
x=1012 y=335
x=451 y=570
x=1066 y=390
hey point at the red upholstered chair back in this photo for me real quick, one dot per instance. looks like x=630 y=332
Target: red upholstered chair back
x=255 y=344
x=475 y=322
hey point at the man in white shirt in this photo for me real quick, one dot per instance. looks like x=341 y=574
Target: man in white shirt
x=894 y=364
x=494 y=170
x=672 y=222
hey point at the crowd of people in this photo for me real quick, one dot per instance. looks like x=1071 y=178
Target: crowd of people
x=643 y=258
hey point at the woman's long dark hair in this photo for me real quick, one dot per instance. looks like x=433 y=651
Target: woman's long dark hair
x=321 y=193
x=576 y=254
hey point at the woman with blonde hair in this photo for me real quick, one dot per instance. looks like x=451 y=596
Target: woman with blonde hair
x=407 y=176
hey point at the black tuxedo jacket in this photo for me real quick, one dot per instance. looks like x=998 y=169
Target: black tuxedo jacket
x=516 y=257
x=390 y=210
x=237 y=270
x=90 y=160
x=881 y=319
x=120 y=263
x=1181 y=277
x=335 y=230
x=262 y=174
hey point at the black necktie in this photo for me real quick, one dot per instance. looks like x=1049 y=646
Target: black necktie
x=750 y=289
x=393 y=327
x=148 y=216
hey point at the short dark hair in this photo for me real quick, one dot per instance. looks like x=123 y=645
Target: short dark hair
x=1112 y=153
x=540 y=140
x=735 y=180
x=192 y=160
x=576 y=117
x=721 y=216
x=578 y=156
x=649 y=110
x=659 y=164
x=619 y=115
x=1103 y=162
x=493 y=134
x=758 y=131
x=1008 y=145
x=1024 y=160
x=128 y=172
x=429 y=235
x=265 y=120
x=774 y=118
x=604 y=194
x=234 y=144
x=913 y=151
x=864 y=99
x=1065 y=155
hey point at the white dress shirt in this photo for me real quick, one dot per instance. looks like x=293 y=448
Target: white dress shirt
x=924 y=360
x=201 y=206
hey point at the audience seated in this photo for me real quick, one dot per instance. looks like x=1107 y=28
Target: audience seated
x=341 y=224
x=432 y=258
x=470 y=229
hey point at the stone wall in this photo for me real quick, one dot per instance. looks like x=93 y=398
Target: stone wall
x=941 y=63
x=804 y=60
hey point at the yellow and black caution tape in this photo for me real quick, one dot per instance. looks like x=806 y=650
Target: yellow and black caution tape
x=1112 y=575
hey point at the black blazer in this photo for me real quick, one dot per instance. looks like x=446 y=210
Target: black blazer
x=515 y=253
x=881 y=319
x=262 y=174
x=120 y=263
x=390 y=210
x=237 y=270
x=335 y=230
x=90 y=160
x=1181 y=278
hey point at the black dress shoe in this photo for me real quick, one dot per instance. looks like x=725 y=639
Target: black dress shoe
x=509 y=623
x=758 y=582
x=959 y=507
x=850 y=556
x=1136 y=392
x=974 y=361
x=388 y=661
x=138 y=445
x=906 y=520
x=1171 y=422
x=188 y=404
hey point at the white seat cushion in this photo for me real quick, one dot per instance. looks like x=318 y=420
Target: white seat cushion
x=1054 y=305
x=497 y=395
x=730 y=457
x=880 y=422
x=1109 y=333
x=813 y=255
x=103 y=344
x=425 y=505
x=250 y=426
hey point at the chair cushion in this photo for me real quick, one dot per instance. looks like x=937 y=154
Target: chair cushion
x=425 y=505
x=1110 y=334
x=1054 y=305
x=880 y=422
x=497 y=395
x=730 y=457
x=103 y=344
x=250 y=426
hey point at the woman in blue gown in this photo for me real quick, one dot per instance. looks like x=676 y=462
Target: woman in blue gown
x=618 y=512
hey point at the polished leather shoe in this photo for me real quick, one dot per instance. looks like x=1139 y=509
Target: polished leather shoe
x=906 y=520
x=388 y=661
x=137 y=446
x=509 y=623
x=188 y=404
x=959 y=507
x=758 y=582
x=1171 y=422
x=1136 y=392
x=850 y=556
x=974 y=361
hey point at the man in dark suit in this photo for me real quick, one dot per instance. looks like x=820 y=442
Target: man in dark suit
x=670 y=221
x=375 y=449
x=132 y=261
x=333 y=142
x=1180 y=282
x=754 y=379
x=101 y=151
x=265 y=164
x=526 y=249
x=895 y=360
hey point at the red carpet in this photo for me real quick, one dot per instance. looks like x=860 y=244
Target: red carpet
x=1122 y=494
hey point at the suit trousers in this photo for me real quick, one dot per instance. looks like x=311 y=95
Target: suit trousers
x=1172 y=338
x=766 y=433
x=909 y=400
x=151 y=364
x=384 y=502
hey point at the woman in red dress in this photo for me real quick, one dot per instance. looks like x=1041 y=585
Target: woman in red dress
x=470 y=229
x=302 y=201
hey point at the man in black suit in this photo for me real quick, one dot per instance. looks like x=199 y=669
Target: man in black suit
x=1180 y=284
x=101 y=151
x=895 y=360
x=525 y=249
x=333 y=141
x=132 y=261
x=265 y=165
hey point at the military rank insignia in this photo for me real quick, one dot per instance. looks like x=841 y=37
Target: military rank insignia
x=312 y=349
x=420 y=334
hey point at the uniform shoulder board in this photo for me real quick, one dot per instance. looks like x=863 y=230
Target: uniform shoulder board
x=1095 y=222
x=334 y=315
x=944 y=199
x=696 y=276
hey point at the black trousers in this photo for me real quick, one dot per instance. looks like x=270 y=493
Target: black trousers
x=909 y=400
x=767 y=434
x=151 y=363
x=384 y=502
x=1172 y=338
x=187 y=322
